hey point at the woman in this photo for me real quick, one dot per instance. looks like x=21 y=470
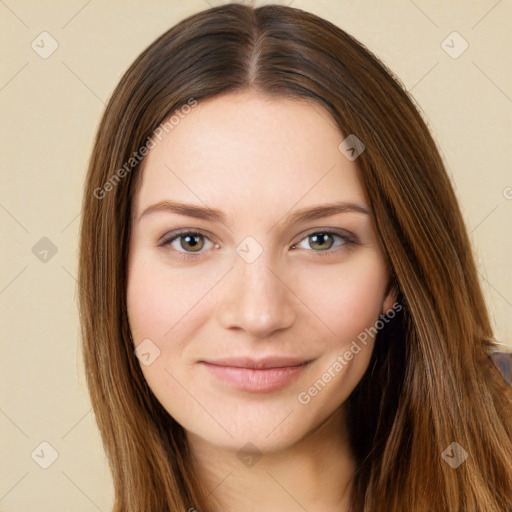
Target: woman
x=233 y=362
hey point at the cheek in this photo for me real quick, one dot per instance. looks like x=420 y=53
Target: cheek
x=349 y=303
x=161 y=301
x=160 y=305
x=146 y=302
x=170 y=306
x=347 y=298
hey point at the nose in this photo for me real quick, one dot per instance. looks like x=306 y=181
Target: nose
x=256 y=299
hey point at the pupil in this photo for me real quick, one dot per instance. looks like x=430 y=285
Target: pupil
x=320 y=238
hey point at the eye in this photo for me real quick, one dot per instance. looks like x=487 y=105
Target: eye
x=187 y=243
x=321 y=241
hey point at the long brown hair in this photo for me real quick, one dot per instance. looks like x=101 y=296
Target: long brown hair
x=429 y=382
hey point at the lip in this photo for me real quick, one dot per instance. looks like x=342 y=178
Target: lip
x=257 y=375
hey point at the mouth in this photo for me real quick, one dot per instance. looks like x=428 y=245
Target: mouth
x=257 y=375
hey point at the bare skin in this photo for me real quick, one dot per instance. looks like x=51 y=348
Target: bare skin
x=285 y=291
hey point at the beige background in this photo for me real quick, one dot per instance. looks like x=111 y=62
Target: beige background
x=50 y=111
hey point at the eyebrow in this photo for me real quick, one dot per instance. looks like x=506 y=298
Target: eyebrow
x=214 y=215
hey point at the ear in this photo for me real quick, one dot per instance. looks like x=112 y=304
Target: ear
x=391 y=296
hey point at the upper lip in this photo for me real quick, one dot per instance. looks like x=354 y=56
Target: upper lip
x=258 y=363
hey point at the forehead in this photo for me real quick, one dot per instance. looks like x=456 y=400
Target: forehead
x=248 y=154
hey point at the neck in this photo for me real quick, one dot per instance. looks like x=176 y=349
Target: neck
x=314 y=474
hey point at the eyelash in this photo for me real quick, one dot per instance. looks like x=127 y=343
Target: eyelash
x=349 y=241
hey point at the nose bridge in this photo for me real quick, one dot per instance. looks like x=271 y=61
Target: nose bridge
x=254 y=298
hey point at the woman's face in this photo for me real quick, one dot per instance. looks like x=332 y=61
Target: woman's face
x=255 y=283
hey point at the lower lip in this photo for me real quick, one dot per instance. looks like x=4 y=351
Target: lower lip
x=256 y=380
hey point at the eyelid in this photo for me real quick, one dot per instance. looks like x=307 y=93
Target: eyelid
x=343 y=233
x=168 y=238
